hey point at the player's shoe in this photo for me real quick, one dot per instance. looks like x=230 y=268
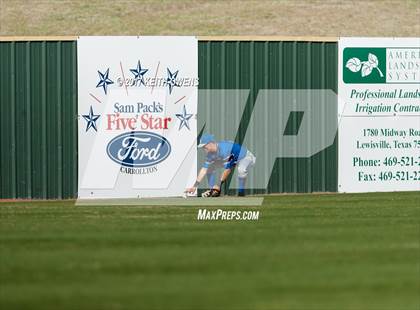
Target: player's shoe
x=206 y=194
x=241 y=194
x=215 y=193
x=211 y=193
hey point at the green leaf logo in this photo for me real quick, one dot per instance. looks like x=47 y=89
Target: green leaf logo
x=354 y=64
x=364 y=65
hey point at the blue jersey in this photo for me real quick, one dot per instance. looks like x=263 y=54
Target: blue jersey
x=228 y=152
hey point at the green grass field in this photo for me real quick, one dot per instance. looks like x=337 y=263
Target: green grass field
x=306 y=252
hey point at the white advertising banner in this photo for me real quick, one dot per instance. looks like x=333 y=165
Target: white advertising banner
x=379 y=114
x=137 y=106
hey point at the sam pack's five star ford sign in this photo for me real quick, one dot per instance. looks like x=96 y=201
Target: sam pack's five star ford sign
x=137 y=124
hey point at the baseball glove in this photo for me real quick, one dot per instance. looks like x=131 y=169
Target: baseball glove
x=211 y=193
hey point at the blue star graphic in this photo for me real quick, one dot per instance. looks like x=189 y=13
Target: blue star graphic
x=91 y=119
x=184 y=118
x=104 y=80
x=139 y=72
x=171 y=80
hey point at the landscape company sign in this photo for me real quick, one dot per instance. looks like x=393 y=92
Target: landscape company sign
x=137 y=111
x=379 y=114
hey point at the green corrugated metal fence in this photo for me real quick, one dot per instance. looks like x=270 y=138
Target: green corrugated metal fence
x=276 y=65
x=38 y=120
x=38 y=109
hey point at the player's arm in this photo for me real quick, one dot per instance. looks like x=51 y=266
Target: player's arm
x=200 y=176
x=223 y=178
x=228 y=165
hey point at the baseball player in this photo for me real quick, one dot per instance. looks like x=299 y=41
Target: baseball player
x=225 y=154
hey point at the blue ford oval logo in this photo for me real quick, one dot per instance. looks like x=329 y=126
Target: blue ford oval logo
x=138 y=149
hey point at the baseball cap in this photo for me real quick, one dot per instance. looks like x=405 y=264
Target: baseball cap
x=206 y=138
